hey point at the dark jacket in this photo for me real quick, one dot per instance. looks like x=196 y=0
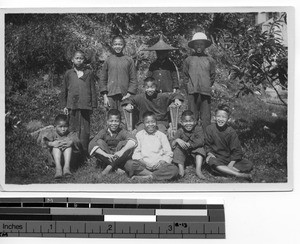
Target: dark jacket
x=195 y=137
x=199 y=74
x=157 y=104
x=79 y=93
x=165 y=74
x=223 y=143
x=118 y=76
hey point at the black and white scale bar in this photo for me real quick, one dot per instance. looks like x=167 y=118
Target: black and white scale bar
x=85 y=227
x=117 y=236
x=108 y=203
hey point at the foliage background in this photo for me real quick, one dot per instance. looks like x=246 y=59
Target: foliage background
x=39 y=47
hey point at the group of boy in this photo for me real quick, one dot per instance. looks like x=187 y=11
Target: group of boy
x=147 y=154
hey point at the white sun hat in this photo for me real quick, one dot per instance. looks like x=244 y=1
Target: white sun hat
x=197 y=37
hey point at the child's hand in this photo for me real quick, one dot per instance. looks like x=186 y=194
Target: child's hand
x=209 y=155
x=156 y=166
x=177 y=102
x=66 y=111
x=173 y=143
x=129 y=107
x=109 y=156
x=118 y=154
x=182 y=144
x=67 y=143
x=56 y=144
x=106 y=101
x=126 y=96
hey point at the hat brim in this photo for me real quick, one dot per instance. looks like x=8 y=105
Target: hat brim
x=191 y=43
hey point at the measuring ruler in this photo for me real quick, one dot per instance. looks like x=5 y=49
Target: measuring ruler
x=111 y=218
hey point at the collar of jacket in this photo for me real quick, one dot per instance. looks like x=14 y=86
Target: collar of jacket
x=84 y=70
x=119 y=54
x=108 y=131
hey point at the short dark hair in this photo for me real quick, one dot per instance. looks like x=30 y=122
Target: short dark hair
x=79 y=51
x=187 y=113
x=224 y=107
x=114 y=112
x=150 y=79
x=61 y=117
x=119 y=37
x=149 y=113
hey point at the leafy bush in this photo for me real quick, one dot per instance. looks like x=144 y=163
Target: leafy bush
x=23 y=156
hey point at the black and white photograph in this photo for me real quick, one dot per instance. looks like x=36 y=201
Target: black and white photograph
x=158 y=99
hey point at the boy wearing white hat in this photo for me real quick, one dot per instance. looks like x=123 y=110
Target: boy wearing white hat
x=199 y=72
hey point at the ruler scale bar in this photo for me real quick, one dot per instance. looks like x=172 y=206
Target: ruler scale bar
x=111 y=218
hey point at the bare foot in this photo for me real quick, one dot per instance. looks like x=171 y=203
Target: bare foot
x=247 y=177
x=58 y=174
x=106 y=170
x=67 y=171
x=200 y=175
x=120 y=171
x=181 y=170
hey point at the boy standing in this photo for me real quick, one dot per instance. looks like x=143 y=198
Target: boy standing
x=79 y=97
x=118 y=78
x=189 y=143
x=163 y=70
x=153 y=155
x=113 y=145
x=199 y=71
x=153 y=101
x=61 y=142
x=224 y=152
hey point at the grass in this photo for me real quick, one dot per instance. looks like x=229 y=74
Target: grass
x=262 y=129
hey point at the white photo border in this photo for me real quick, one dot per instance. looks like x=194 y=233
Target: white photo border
x=173 y=187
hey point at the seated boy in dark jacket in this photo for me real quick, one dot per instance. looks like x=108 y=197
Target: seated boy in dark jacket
x=113 y=145
x=152 y=100
x=188 y=143
x=223 y=148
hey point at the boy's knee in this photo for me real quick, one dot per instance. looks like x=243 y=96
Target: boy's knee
x=101 y=143
x=120 y=145
x=244 y=165
x=214 y=162
x=174 y=170
x=199 y=151
x=130 y=164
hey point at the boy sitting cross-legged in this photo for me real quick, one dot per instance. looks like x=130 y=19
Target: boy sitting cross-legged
x=152 y=100
x=188 y=143
x=62 y=142
x=152 y=158
x=113 y=145
x=223 y=148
